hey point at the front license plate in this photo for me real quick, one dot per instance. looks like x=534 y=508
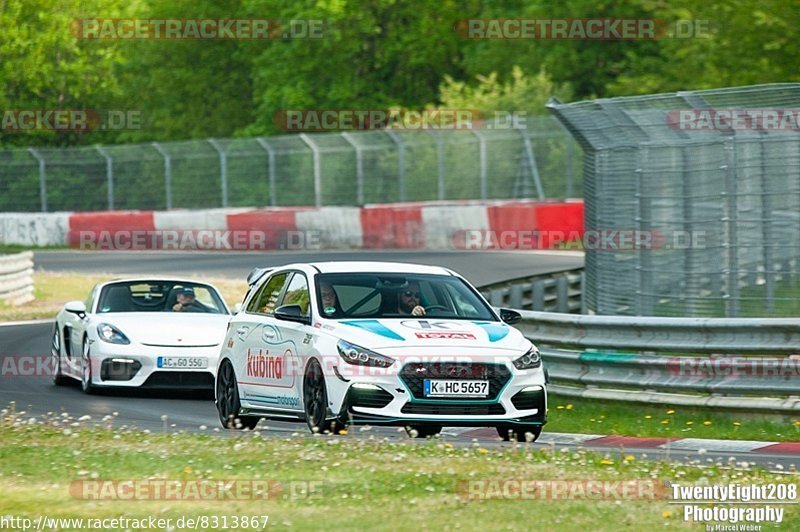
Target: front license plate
x=182 y=362
x=454 y=388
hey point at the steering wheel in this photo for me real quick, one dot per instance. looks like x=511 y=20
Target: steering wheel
x=437 y=307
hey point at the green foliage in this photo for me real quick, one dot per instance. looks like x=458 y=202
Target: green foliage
x=373 y=54
x=521 y=93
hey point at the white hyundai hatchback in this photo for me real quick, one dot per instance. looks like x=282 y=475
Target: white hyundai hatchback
x=337 y=343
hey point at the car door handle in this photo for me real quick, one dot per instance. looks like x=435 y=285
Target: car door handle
x=241 y=331
x=269 y=333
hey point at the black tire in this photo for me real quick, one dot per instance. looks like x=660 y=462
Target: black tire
x=518 y=432
x=423 y=431
x=228 y=403
x=86 y=369
x=315 y=401
x=59 y=379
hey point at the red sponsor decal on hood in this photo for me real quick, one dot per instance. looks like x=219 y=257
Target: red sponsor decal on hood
x=446 y=335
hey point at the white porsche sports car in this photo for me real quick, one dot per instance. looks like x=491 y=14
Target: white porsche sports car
x=148 y=333
x=379 y=343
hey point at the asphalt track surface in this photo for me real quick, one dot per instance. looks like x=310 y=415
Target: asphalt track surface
x=36 y=395
x=480 y=267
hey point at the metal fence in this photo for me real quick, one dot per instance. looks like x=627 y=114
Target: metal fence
x=724 y=201
x=644 y=359
x=295 y=170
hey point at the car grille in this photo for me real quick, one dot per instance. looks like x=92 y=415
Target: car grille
x=369 y=398
x=495 y=409
x=180 y=379
x=414 y=373
x=528 y=400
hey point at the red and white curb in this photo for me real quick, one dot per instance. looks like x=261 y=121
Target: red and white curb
x=421 y=225
x=632 y=442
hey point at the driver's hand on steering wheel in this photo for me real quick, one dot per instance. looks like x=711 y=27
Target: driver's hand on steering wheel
x=418 y=311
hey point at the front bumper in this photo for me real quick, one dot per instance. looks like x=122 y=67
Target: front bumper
x=136 y=366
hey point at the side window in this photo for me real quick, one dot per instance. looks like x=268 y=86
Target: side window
x=90 y=300
x=297 y=293
x=266 y=298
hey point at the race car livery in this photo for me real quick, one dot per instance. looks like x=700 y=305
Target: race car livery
x=338 y=343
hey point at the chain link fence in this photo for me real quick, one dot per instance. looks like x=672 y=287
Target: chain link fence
x=721 y=198
x=296 y=170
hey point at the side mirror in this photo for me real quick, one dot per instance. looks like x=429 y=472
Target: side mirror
x=237 y=308
x=510 y=316
x=76 y=307
x=292 y=313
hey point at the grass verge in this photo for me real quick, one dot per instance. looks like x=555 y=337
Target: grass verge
x=585 y=416
x=358 y=483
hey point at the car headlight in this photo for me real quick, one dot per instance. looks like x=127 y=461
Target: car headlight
x=530 y=360
x=353 y=354
x=109 y=333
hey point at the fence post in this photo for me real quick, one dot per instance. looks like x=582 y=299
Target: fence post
x=439 y=163
x=167 y=172
x=273 y=193
x=731 y=217
x=359 y=166
x=537 y=181
x=42 y=178
x=317 y=168
x=401 y=163
x=223 y=170
x=482 y=162
x=767 y=215
x=109 y=175
x=645 y=295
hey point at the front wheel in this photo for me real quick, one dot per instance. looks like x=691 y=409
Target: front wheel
x=86 y=369
x=519 y=433
x=59 y=379
x=315 y=401
x=228 y=403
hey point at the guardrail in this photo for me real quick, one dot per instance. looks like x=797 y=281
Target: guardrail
x=16 y=278
x=656 y=365
x=550 y=292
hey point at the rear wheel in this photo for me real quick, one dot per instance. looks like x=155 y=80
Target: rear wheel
x=315 y=401
x=59 y=379
x=228 y=403
x=520 y=433
x=423 y=431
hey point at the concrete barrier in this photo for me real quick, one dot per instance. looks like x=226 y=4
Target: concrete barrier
x=423 y=225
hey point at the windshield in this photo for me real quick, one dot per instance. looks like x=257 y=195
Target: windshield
x=160 y=296
x=379 y=295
